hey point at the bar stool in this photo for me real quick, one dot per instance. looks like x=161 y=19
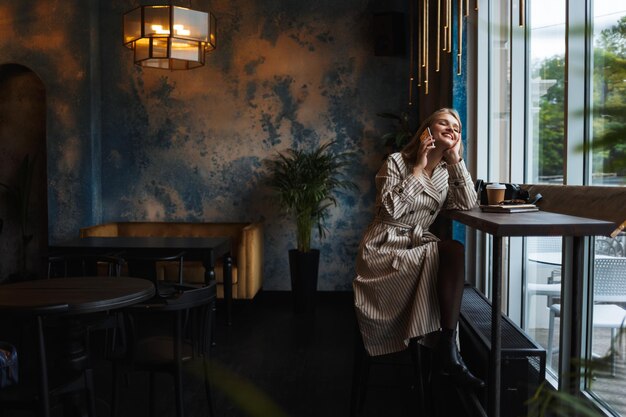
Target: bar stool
x=362 y=365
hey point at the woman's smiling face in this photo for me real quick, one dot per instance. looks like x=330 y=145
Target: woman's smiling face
x=446 y=130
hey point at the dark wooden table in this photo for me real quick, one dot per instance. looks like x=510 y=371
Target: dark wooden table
x=69 y=298
x=204 y=249
x=72 y=296
x=540 y=223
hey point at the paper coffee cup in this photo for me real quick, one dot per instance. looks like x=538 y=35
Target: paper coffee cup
x=495 y=193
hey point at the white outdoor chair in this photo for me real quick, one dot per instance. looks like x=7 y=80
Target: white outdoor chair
x=609 y=291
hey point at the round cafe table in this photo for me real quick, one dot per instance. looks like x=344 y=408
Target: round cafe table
x=71 y=296
x=70 y=299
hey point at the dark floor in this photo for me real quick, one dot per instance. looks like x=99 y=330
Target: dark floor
x=304 y=364
x=272 y=362
x=275 y=363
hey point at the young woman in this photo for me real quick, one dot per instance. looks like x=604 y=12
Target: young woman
x=409 y=284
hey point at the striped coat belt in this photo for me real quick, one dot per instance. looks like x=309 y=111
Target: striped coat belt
x=414 y=231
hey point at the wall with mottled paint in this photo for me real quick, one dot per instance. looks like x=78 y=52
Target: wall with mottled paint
x=190 y=145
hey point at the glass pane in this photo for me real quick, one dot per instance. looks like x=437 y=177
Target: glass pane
x=543 y=291
x=547 y=92
x=187 y=50
x=500 y=73
x=545 y=164
x=142 y=49
x=608 y=159
x=190 y=24
x=159 y=48
x=156 y=20
x=132 y=25
x=607 y=351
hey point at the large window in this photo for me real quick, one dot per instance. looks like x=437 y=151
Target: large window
x=499 y=96
x=547 y=93
x=566 y=124
x=607 y=384
x=545 y=164
x=606 y=350
x=608 y=162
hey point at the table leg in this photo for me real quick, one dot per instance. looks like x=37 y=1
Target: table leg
x=209 y=276
x=496 y=341
x=572 y=312
x=208 y=262
x=228 y=286
x=78 y=370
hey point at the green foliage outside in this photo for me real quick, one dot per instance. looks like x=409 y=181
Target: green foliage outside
x=608 y=145
x=609 y=118
x=549 y=142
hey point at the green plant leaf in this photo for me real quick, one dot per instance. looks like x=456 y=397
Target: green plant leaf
x=305 y=182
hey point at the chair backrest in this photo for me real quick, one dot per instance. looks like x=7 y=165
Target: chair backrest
x=187 y=297
x=610 y=279
x=191 y=307
x=82 y=265
x=609 y=246
x=144 y=265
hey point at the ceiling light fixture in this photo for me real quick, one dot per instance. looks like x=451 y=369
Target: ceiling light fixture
x=169 y=37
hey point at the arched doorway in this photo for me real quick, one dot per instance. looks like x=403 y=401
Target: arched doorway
x=23 y=195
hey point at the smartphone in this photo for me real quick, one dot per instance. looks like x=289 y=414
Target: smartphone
x=425 y=134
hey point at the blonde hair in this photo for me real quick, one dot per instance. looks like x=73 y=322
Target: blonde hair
x=409 y=152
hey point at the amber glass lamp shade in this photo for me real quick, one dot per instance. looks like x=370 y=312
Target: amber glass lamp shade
x=169 y=37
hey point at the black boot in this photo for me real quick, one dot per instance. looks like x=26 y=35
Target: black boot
x=447 y=362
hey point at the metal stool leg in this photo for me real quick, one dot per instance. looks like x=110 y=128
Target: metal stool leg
x=43 y=366
x=360 y=376
x=418 y=370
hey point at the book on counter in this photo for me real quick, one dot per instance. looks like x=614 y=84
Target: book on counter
x=509 y=208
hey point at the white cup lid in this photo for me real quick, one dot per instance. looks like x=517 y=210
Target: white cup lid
x=496 y=186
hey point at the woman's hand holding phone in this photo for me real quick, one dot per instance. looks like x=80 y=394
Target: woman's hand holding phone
x=427 y=142
x=427 y=135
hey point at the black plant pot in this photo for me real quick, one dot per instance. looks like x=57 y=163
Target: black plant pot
x=303 y=267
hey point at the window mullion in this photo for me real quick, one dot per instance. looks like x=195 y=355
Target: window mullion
x=576 y=98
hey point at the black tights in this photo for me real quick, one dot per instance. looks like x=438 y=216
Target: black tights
x=450 y=281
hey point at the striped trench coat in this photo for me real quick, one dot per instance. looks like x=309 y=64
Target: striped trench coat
x=395 y=291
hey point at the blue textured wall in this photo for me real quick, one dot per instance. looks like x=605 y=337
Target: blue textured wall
x=459 y=101
x=126 y=143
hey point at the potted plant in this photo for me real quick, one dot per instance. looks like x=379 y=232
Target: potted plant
x=305 y=182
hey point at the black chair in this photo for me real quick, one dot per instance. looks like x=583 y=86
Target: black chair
x=165 y=334
x=35 y=392
x=46 y=328
x=93 y=265
x=362 y=365
x=84 y=265
x=146 y=265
